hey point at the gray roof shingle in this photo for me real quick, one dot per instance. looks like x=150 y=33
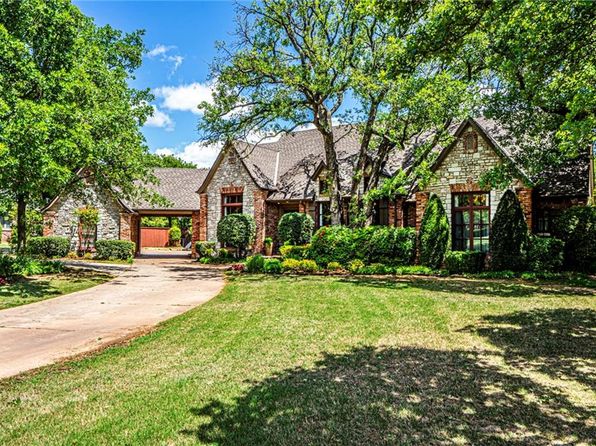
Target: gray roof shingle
x=178 y=186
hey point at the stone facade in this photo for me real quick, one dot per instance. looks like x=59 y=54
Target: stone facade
x=60 y=218
x=230 y=173
x=461 y=170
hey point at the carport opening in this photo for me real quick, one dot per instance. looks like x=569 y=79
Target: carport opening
x=164 y=234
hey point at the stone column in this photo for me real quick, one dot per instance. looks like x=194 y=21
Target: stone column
x=125 y=226
x=260 y=207
x=524 y=195
x=421 y=200
x=49 y=219
x=203 y=217
x=196 y=232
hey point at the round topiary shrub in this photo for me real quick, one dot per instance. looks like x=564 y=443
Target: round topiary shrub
x=237 y=231
x=434 y=233
x=174 y=234
x=577 y=228
x=295 y=228
x=509 y=235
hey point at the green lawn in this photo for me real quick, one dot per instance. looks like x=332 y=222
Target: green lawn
x=36 y=288
x=301 y=361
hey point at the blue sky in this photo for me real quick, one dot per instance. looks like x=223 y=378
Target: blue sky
x=180 y=37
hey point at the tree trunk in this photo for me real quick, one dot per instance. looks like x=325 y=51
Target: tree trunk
x=335 y=207
x=21 y=223
x=591 y=176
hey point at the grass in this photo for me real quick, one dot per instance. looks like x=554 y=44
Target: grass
x=36 y=288
x=330 y=360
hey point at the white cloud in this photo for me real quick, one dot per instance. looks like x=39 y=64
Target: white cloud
x=160 y=50
x=164 y=54
x=199 y=153
x=184 y=97
x=160 y=119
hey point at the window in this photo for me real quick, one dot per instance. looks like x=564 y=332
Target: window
x=544 y=220
x=4 y=223
x=323 y=214
x=470 y=142
x=471 y=221
x=381 y=213
x=323 y=186
x=231 y=204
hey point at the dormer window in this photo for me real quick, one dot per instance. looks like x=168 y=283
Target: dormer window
x=323 y=186
x=471 y=142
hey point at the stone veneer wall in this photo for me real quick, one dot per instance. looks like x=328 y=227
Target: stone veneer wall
x=460 y=171
x=230 y=173
x=60 y=219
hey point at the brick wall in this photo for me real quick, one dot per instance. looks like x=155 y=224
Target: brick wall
x=260 y=211
x=421 y=200
x=203 y=214
x=196 y=222
x=524 y=195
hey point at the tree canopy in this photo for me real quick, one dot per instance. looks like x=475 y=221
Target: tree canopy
x=66 y=110
x=155 y=160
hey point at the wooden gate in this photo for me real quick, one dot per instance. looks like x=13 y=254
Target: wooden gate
x=154 y=237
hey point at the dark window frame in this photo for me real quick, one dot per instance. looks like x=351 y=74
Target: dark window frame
x=469 y=209
x=323 y=219
x=381 y=212
x=471 y=137
x=233 y=207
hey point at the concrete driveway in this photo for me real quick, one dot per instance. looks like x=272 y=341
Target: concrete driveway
x=156 y=288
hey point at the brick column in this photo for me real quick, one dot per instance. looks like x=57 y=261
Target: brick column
x=524 y=195
x=135 y=235
x=125 y=226
x=195 y=225
x=260 y=213
x=421 y=200
x=49 y=218
x=203 y=217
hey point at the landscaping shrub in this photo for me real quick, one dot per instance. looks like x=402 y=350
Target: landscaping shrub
x=577 y=228
x=545 y=254
x=290 y=265
x=434 y=233
x=376 y=269
x=48 y=247
x=236 y=230
x=355 y=266
x=385 y=244
x=174 y=234
x=334 y=266
x=374 y=244
x=332 y=244
x=295 y=228
x=509 y=235
x=308 y=266
x=272 y=266
x=416 y=270
x=255 y=264
x=461 y=262
x=294 y=252
x=114 y=249
x=205 y=248
x=11 y=267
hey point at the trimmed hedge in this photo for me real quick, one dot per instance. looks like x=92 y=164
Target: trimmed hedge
x=236 y=230
x=295 y=228
x=577 y=228
x=545 y=254
x=174 y=234
x=294 y=252
x=434 y=234
x=463 y=262
x=373 y=244
x=48 y=247
x=255 y=264
x=509 y=235
x=272 y=266
x=114 y=249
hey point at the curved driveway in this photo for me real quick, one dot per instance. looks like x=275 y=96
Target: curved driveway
x=153 y=290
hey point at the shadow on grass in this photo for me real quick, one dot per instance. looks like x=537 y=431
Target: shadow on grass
x=28 y=288
x=395 y=396
x=558 y=342
x=511 y=288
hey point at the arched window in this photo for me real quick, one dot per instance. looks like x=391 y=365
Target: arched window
x=471 y=142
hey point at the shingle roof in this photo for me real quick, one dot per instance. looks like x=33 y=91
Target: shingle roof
x=178 y=186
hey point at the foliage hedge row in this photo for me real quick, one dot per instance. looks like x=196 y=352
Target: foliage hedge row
x=11 y=267
x=114 y=250
x=295 y=228
x=462 y=262
x=577 y=228
x=373 y=244
x=48 y=247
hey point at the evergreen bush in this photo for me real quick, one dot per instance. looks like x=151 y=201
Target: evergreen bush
x=434 y=233
x=545 y=254
x=295 y=228
x=577 y=228
x=509 y=235
x=255 y=264
x=237 y=231
x=462 y=262
x=114 y=249
x=48 y=247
